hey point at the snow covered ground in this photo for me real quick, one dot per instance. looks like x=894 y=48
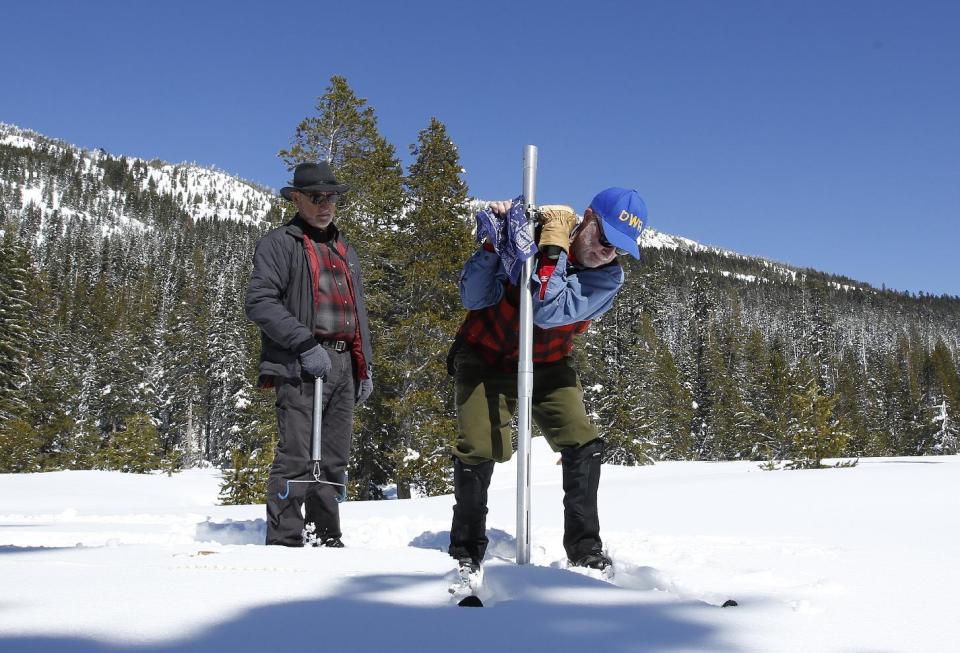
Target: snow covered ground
x=852 y=560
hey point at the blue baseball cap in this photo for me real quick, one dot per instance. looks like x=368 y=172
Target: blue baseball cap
x=624 y=216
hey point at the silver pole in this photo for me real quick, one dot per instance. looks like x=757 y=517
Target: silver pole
x=525 y=367
x=317 y=417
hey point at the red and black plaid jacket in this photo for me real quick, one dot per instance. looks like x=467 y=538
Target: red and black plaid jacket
x=334 y=306
x=494 y=333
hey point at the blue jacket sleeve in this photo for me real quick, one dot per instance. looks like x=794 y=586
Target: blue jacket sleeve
x=482 y=281
x=584 y=295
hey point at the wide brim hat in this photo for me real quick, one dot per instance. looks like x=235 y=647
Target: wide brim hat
x=313 y=178
x=624 y=216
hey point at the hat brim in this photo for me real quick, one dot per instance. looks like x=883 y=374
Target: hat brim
x=316 y=188
x=620 y=240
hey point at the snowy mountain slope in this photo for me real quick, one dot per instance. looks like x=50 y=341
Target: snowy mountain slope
x=826 y=560
x=206 y=193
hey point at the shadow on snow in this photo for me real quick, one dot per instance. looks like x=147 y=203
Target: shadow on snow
x=358 y=617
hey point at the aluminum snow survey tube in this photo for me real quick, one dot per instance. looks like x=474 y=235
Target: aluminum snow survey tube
x=525 y=366
x=317 y=416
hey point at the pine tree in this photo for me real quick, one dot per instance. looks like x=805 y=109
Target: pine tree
x=908 y=424
x=946 y=431
x=245 y=481
x=84 y=447
x=136 y=447
x=694 y=364
x=344 y=133
x=673 y=409
x=776 y=404
x=722 y=409
x=339 y=133
x=19 y=447
x=758 y=417
x=616 y=368
x=182 y=384
x=228 y=361
x=433 y=241
x=816 y=434
x=944 y=397
x=851 y=408
x=15 y=327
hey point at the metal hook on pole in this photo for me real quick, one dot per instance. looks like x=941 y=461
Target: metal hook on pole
x=315 y=446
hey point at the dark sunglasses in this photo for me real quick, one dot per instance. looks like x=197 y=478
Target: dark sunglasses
x=605 y=242
x=320 y=198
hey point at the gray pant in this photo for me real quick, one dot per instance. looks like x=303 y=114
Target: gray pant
x=310 y=503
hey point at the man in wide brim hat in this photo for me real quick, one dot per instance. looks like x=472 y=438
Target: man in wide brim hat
x=313 y=178
x=306 y=295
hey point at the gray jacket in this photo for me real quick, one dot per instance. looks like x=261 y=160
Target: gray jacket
x=280 y=301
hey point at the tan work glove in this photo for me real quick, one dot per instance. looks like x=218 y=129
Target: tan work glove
x=558 y=221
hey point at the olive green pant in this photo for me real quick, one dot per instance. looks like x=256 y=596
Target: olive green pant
x=487 y=399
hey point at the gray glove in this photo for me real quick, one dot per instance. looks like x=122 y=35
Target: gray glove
x=316 y=362
x=365 y=389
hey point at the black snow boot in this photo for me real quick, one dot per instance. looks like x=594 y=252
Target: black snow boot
x=468 y=533
x=581 y=524
x=599 y=561
x=467 y=566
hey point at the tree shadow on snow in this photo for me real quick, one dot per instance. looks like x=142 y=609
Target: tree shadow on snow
x=9 y=548
x=524 y=613
x=249 y=531
x=900 y=462
x=502 y=544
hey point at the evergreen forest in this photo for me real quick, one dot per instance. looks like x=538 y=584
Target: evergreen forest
x=124 y=346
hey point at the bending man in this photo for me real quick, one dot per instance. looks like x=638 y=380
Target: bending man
x=577 y=279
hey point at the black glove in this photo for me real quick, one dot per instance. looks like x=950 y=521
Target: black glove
x=364 y=389
x=316 y=362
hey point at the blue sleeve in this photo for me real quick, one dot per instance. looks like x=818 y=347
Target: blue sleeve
x=585 y=295
x=482 y=280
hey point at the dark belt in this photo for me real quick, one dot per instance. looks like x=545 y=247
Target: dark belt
x=335 y=345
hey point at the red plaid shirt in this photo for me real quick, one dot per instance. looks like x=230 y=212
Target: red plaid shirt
x=334 y=306
x=494 y=333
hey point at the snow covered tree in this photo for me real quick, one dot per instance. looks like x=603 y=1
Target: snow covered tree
x=720 y=404
x=944 y=396
x=673 y=409
x=947 y=431
x=616 y=367
x=15 y=327
x=245 y=481
x=83 y=447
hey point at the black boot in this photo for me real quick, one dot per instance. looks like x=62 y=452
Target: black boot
x=468 y=533
x=581 y=524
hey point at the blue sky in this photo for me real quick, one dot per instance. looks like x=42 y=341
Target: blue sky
x=821 y=134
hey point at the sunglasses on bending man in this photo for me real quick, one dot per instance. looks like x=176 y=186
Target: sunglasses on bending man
x=603 y=238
